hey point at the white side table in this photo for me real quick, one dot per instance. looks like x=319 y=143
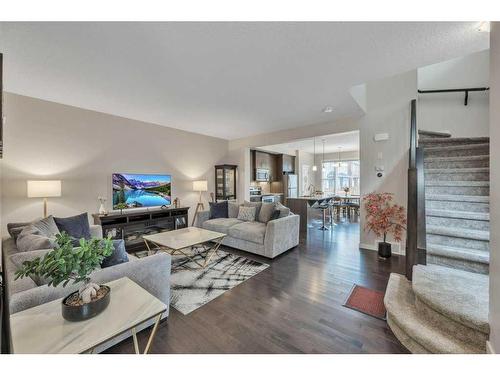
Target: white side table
x=42 y=328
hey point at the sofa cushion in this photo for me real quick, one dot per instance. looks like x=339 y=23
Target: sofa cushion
x=19 y=258
x=221 y=225
x=118 y=256
x=31 y=239
x=218 y=210
x=275 y=215
x=266 y=211
x=252 y=231
x=233 y=209
x=246 y=213
x=257 y=206
x=47 y=227
x=284 y=211
x=75 y=226
x=15 y=229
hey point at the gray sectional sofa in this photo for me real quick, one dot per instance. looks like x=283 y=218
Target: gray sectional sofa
x=268 y=239
x=152 y=273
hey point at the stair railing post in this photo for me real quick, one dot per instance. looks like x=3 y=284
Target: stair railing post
x=412 y=206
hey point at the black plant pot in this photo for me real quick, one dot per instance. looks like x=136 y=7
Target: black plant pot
x=87 y=310
x=384 y=250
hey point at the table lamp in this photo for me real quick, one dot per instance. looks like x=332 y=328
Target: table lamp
x=201 y=186
x=44 y=189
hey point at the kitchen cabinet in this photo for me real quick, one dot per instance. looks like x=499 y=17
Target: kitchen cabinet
x=288 y=164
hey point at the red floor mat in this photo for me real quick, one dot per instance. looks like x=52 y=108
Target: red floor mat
x=367 y=301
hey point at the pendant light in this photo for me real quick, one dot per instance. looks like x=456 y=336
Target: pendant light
x=315 y=168
x=339 y=158
x=323 y=157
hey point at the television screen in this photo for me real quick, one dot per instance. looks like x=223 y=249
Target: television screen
x=141 y=190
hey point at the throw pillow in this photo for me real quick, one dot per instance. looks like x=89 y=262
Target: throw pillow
x=275 y=215
x=31 y=239
x=284 y=211
x=266 y=210
x=257 y=206
x=15 y=228
x=233 y=209
x=118 y=256
x=246 y=213
x=47 y=227
x=75 y=226
x=19 y=258
x=218 y=210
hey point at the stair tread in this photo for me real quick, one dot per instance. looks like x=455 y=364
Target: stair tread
x=458 y=295
x=457 y=170
x=472 y=140
x=431 y=158
x=457 y=147
x=473 y=234
x=460 y=253
x=471 y=215
x=399 y=301
x=457 y=183
x=458 y=198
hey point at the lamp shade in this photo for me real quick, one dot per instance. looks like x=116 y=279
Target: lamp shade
x=201 y=185
x=44 y=189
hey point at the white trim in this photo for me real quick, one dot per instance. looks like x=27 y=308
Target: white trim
x=489 y=348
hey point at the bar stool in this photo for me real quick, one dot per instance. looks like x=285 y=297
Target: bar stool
x=324 y=207
x=334 y=209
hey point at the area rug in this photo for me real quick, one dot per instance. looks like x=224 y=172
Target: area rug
x=367 y=301
x=192 y=287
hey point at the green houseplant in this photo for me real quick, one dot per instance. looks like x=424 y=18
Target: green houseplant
x=67 y=263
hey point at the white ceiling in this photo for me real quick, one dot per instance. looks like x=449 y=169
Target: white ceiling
x=346 y=141
x=228 y=80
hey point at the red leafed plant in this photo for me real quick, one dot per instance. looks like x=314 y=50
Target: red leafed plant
x=383 y=216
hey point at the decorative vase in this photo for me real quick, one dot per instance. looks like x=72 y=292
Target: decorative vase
x=384 y=250
x=87 y=310
x=102 y=209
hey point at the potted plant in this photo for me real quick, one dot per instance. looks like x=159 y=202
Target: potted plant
x=67 y=263
x=384 y=217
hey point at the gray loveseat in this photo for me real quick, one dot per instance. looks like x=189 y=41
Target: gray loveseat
x=267 y=239
x=152 y=273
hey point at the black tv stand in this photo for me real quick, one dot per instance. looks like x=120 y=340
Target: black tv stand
x=131 y=225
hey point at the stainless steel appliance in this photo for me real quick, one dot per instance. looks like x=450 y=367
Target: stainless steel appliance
x=255 y=194
x=268 y=198
x=262 y=174
x=290 y=185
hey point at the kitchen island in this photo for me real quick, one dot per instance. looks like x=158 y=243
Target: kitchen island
x=300 y=205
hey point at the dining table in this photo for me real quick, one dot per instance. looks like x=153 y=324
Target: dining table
x=300 y=205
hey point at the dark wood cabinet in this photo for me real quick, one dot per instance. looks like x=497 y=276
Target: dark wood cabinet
x=225 y=182
x=288 y=164
x=132 y=225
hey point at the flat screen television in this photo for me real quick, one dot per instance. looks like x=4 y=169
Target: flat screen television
x=141 y=190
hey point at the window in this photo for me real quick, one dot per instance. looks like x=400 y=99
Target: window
x=336 y=176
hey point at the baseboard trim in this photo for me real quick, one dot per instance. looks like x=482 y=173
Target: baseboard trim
x=396 y=247
x=489 y=348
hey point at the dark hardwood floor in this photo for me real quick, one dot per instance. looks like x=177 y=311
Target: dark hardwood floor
x=294 y=306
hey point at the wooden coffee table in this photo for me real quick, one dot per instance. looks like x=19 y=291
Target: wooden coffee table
x=187 y=242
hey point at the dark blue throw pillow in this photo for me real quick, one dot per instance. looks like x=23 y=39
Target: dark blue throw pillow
x=75 y=226
x=219 y=210
x=118 y=256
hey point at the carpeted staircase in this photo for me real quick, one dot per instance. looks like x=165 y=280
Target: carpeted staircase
x=445 y=308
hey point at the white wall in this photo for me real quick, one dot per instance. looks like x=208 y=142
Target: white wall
x=447 y=112
x=304 y=163
x=388 y=111
x=495 y=188
x=45 y=140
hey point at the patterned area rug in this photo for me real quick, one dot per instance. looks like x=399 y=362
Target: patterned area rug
x=192 y=287
x=367 y=301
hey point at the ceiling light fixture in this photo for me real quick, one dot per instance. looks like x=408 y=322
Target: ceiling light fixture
x=328 y=109
x=339 y=158
x=323 y=161
x=315 y=168
x=484 y=27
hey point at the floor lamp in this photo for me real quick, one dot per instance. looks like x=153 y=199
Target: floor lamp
x=44 y=189
x=200 y=186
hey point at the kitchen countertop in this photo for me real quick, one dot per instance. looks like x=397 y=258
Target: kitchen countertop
x=266 y=195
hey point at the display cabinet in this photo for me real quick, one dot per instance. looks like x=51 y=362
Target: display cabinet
x=225 y=182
